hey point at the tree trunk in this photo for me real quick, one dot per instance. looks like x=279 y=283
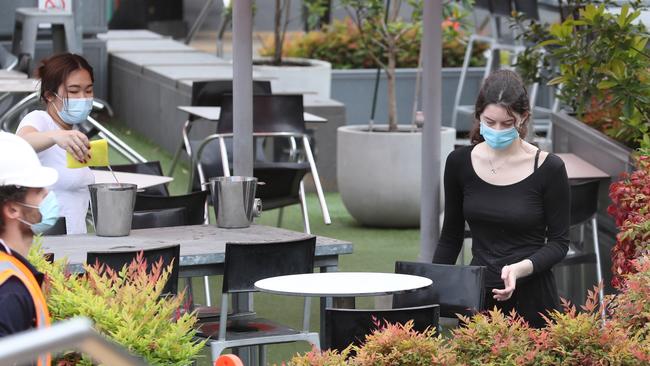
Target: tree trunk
x=277 y=54
x=392 y=98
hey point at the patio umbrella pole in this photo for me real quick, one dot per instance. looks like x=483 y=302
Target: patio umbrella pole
x=432 y=102
x=242 y=87
x=371 y=123
x=242 y=90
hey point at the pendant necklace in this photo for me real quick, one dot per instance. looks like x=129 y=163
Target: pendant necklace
x=493 y=169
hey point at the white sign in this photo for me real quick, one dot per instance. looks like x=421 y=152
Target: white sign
x=55 y=4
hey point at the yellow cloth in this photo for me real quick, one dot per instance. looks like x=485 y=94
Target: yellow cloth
x=98 y=156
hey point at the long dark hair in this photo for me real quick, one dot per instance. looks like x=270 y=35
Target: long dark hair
x=55 y=70
x=506 y=89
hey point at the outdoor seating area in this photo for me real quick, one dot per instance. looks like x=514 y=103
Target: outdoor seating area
x=315 y=183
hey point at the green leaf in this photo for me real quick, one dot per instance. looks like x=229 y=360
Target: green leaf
x=606 y=84
x=556 y=80
x=548 y=42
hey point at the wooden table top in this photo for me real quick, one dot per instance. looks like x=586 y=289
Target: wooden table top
x=577 y=168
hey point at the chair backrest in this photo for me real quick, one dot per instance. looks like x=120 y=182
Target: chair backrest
x=194 y=204
x=167 y=217
x=271 y=114
x=247 y=263
x=210 y=93
x=584 y=200
x=59 y=228
x=282 y=183
x=117 y=260
x=346 y=326
x=149 y=167
x=458 y=289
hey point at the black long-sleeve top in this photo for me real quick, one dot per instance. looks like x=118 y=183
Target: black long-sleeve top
x=526 y=220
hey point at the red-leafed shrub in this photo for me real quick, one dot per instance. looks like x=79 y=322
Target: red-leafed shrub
x=631 y=209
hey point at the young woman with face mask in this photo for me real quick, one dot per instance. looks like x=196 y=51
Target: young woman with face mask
x=515 y=199
x=67 y=93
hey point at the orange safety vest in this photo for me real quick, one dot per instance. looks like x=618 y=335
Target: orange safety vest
x=10 y=266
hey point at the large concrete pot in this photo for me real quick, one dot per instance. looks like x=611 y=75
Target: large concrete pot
x=379 y=173
x=310 y=77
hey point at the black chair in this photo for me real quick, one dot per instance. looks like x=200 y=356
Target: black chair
x=59 y=228
x=246 y=263
x=457 y=289
x=159 y=218
x=584 y=209
x=117 y=260
x=151 y=168
x=274 y=116
x=351 y=326
x=194 y=204
x=209 y=94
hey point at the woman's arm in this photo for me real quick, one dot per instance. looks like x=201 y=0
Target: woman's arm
x=72 y=141
x=557 y=213
x=453 y=228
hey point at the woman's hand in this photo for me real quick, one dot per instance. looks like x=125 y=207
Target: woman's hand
x=509 y=275
x=74 y=142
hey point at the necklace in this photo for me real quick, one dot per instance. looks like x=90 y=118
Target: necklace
x=493 y=169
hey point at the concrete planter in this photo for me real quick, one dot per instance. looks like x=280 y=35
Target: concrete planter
x=379 y=174
x=313 y=80
x=355 y=89
x=573 y=136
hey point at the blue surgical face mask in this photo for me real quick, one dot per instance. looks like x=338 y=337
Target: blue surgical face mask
x=49 y=209
x=75 y=110
x=498 y=139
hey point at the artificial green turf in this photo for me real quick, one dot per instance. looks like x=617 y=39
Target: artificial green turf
x=374 y=249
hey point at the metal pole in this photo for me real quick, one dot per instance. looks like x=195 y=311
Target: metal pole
x=242 y=90
x=371 y=123
x=242 y=86
x=432 y=101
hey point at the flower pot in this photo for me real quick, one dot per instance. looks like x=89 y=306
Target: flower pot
x=302 y=76
x=379 y=173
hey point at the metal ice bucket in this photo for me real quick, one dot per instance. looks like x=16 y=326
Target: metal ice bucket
x=112 y=208
x=234 y=201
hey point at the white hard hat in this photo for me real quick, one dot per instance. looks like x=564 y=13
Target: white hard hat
x=19 y=164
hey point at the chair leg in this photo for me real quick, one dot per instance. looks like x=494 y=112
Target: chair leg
x=262 y=354
x=314 y=174
x=461 y=81
x=599 y=271
x=281 y=214
x=216 y=349
x=206 y=286
x=183 y=145
x=314 y=341
x=303 y=209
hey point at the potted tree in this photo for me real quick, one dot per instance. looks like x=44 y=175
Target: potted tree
x=599 y=63
x=354 y=70
x=378 y=166
x=292 y=75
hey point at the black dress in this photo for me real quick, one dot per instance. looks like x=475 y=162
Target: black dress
x=525 y=220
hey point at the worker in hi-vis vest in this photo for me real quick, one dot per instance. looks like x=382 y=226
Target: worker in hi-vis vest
x=26 y=208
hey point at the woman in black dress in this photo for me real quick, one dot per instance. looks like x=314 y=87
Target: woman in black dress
x=515 y=199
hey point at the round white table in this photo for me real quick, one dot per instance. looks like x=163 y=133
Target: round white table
x=342 y=284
